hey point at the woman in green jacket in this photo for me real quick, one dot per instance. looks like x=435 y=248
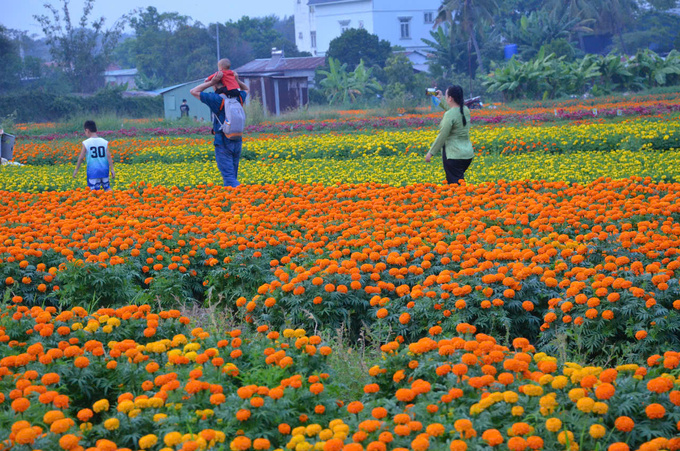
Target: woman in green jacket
x=454 y=137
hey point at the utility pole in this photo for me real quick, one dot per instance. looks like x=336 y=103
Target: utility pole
x=217 y=30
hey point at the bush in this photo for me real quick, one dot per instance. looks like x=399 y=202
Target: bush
x=255 y=114
x=43 y=107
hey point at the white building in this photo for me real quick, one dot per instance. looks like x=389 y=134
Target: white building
x=401 y=22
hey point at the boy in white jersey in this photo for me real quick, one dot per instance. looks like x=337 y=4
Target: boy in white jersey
x=99 y=161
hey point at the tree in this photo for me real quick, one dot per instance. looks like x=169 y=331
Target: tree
x=356 y=45
x=169 y=48
x=663 y=5
x=10 y=69
x=467 y=14
x=82 y=53
x=654 y=30
x=154 y=49
x=399 y=69
x=262 y=35
x=614 y=15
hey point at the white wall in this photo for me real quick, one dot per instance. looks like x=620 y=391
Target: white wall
x=388 y=26
x=329 y=18
x=379 y=17
x=303 y=26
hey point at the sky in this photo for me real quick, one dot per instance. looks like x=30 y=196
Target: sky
x=18 y=14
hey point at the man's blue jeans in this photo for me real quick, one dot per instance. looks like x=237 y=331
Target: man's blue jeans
x=227 y=157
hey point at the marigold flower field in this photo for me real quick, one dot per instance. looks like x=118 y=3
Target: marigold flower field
x=535 y=307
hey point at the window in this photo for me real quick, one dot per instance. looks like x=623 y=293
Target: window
x=429 y=17
x=361 y=24
x=344 y=25
x=312 y=36
x=405 y=27
x=300 y=35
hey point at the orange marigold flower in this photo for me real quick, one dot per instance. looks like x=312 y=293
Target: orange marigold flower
x=355 y=407
x=624 y=424
x=492 y=437
x=655 y=411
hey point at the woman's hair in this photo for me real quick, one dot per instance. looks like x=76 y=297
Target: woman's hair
x=456 y=93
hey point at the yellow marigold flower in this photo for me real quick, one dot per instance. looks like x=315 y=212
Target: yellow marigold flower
x=101 y=405
x=313 y=429
x=548 y=401
x=628 y=367
x=564 y=435
x=585 y=405
x=510 y=397
x=576 y=393
x=155 y=403
x=559 y=382
x=148 y=441
x=546 y=379
x=297 y=438
x=172 y=438
x=112 y=424
x=192 y=347
x=553 y=424
x=335 y=422
x=325 y=434
x=533 y=390
x=304 y=446
x=600 y=408
x=597 y=431
x=539 y=356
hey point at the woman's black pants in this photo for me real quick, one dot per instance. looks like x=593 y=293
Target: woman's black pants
x=455 y=169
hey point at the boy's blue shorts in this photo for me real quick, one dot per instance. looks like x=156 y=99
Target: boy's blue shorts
x=97 y=184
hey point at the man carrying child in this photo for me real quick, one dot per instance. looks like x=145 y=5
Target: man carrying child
x=227 y=148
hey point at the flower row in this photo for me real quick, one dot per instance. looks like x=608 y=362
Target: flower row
x=633 y=135
x=190 y=389
x=649 y=105
x=579 y=167
x=574 y=267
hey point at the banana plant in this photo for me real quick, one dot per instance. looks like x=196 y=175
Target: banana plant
x=336 y=81
x=543 y=26
x=346 y=87
x=654 y=69
x=615 y=74
x=581 y=74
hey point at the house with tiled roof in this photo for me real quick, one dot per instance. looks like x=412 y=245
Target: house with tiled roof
x=280 y=83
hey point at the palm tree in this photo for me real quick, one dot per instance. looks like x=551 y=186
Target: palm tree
x=610 y=15
x=467 y=13
x=613 y=15
x=583 y=10
x=444 y=53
